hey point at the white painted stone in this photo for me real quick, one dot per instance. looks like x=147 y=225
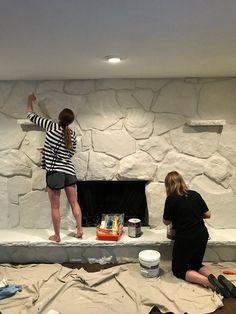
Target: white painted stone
x=139 y=166
x=177 y=97
x=18 y=185
x=101 y=167
x=13 y=162
x=115 y=84
x=38 y=179
x=35 y=210
x=187 y=166
x=127 y=101
x=155 y=195
x=227 y=144
x=144 y=97
x=4 y=203
x=80 y=161
x=219 y=170
x=139 y=123
x=202 y=143
x=154 y=84
x=100 y=111
x=217 y=100
x=165 y=122
x=5 y=89
x=86 y=140
x=52 y=103
x=116 y=143
x=49 y=86
x=233 y=182
x=205 y=122
x=156 y=146
x=10 y=133
x=117 y=126
x=32 y=145
x=13 y=216
x=79 y=87
x=15 y=105
x=219 y=200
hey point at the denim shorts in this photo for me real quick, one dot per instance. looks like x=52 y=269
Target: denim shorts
x=59 y=180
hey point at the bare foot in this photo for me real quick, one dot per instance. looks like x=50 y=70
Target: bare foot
x=79 y=233
x=54 y=238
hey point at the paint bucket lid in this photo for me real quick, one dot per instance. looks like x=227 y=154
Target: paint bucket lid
x=134 y=220
x=149 y=255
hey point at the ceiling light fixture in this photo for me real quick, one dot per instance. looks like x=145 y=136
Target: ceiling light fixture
x=112 y=59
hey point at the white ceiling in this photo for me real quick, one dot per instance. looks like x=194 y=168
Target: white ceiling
x=68 y=39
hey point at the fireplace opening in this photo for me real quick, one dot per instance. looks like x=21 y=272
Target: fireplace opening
x=111 y=197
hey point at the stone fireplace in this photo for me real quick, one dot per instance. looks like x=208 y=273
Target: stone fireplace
x=127 y=130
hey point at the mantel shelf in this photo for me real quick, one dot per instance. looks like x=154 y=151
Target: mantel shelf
x=24 y=122
x=205 y=122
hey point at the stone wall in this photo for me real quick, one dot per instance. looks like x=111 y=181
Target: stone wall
x=133 y=129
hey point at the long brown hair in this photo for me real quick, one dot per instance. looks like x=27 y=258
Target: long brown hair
x=174 y=183
x=66 y=117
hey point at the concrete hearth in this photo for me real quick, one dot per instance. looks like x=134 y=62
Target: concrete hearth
x=32 y=246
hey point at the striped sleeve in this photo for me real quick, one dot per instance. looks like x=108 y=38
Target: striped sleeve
x=74 y=143
x=41 y=122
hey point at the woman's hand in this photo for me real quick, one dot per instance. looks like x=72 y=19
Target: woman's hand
x=31 y=98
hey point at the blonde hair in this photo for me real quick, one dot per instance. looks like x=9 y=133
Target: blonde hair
x=174 y=183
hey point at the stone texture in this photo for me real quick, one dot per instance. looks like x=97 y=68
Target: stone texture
x=219 y=200
x=32 y=145
x=16 y=186
x=188 y=166
x=115 y=84
x=156 y=146
x=100 y=111
x=49 y=86
x=52 y=103
x=139 y=166
x=35 y=210
x=155 y=195
x=86 y=140
x=217 y=100
x=101 y=167
x=38 y=179
x=165 y=122
x=15 y=105
x=144 y=97
x=200 y=143
x=177 y=97
x=80 y=161
x=219 y=170
x=13 y=216
x=154 y=84
x=139 y=123
x=79 y=87
x=14 y=162
x=4 y=203
x=5 y=90
x=233 y=182
x=127 y=101
x=114 y=143
x=227 y=144
x=10 y=133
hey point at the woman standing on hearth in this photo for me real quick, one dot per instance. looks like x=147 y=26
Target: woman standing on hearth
x=59 y=147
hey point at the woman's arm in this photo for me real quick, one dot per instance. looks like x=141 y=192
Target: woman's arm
x=31 y=98
x=207 y=214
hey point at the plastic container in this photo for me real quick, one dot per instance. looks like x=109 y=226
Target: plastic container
x=149 y=261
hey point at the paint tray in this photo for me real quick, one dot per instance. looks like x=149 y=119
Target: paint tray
x=109 y=231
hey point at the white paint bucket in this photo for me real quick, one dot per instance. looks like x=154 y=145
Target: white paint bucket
x=149 y=261
x=134 y=228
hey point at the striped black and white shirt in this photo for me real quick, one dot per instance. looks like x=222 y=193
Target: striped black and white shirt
x=55 y=155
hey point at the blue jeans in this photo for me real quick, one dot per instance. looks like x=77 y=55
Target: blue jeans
x=9 y=291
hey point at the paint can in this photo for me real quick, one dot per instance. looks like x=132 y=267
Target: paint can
x=134 y=228
x=149 y=261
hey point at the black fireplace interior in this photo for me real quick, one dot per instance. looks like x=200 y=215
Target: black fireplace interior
x=112 y=197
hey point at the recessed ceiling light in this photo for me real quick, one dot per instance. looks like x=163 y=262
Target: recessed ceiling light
x=113 y=59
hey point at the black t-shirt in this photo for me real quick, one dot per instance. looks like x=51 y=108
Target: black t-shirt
x=185 y=212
